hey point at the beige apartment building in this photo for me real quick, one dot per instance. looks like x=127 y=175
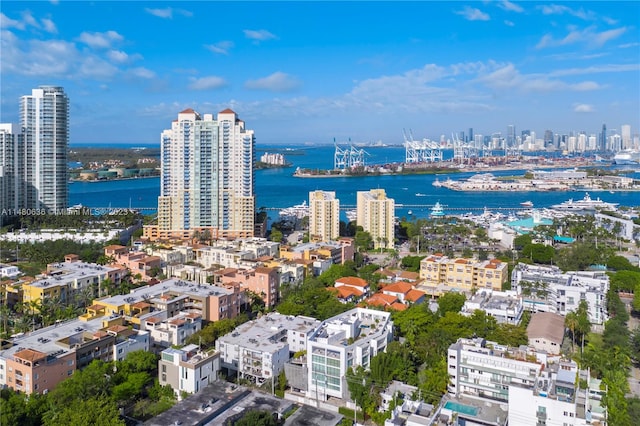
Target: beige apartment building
x=376 y=215
x=207 y=177
x=441 y=274
x=324 y=216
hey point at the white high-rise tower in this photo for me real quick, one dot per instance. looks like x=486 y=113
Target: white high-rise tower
x=44 y=122
x=207 y=177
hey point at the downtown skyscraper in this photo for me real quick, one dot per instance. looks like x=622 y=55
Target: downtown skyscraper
x=207 y=177
x=33 y=156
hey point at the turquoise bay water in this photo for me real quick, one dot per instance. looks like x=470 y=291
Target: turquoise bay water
x=277 y=188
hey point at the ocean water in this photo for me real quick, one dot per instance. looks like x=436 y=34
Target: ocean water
x=278 y=188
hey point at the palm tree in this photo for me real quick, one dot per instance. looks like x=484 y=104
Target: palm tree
x=571 y=322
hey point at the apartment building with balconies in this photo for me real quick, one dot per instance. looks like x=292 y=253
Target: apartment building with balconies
x=188 y=369
x=258 y=350
x=548 y=289
x=341 y=342
x=441 y=274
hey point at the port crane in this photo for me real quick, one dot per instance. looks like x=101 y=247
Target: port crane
x=420 y=151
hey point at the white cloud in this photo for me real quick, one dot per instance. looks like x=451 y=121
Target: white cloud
x=6 y=22
x=166 y=13
x=276 y=82
x=207 y=83
x=259 y=35
x=221 y=47
x=97 y=68
x=49 y=26
x=507 y=77
x=628 y=45
x=142 y=72
x=118 y=56
x=509 y=23
x=100 y=40
x=556 y=9
x=583 y=108
x=588 y=36
x=512 y=7
x=473 y=14
x=607 y=68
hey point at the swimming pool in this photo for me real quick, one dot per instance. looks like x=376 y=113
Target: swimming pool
x=461 y=408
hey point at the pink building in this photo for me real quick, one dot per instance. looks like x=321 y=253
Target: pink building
x=262 y=281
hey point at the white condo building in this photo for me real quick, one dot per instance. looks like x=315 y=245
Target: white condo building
x=324 y=216
x=341 y=342
x=548 y=289
x=376 y=215
x=44 y=119
x=207 y=176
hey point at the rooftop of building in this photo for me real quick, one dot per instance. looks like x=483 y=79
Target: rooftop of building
x=301 y=248
x=60 y=273
x=359 y=320
x=46 y=340
x=547 y=325
x=498 y=300
x=218 y=403
x=308 y=415
x=265 y=333
x=164 y=288
x=483 y=412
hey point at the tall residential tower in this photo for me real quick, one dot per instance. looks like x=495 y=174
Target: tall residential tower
x=44 y=122
x=207 y=177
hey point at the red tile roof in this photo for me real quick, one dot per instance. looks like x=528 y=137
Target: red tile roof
x=352 y=281
x=345 y=292
x=227 y=111
x=188 y=111
x=414 y=295
x=400 y=287
x=30 y=355
x=398 y=306
x=380 y=299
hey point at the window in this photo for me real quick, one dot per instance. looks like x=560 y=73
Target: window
x=69 y=373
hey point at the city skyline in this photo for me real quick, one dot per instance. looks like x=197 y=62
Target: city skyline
x=360 y=71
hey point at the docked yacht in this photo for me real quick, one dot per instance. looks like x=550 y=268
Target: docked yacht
x=586 y=204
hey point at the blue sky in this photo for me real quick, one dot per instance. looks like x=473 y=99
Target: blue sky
x=314 y=71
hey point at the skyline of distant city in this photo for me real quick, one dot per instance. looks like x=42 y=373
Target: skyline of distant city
x=309 y=72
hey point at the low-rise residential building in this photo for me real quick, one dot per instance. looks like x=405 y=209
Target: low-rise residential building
x=548 y=289
x=338 y=251
x=353 y=282
x=441 y=274
x=71 y=282
x=483 y=369
x=623 y=226
x=38 y=361
x=9 y=271
x=213 y=302
x=556 y=399
x=262 y=281
x=505 y=307
x=405 y=292
x=188 y=369
x=340 y=343
x=546 y=332
x=172 y=331
x=258 y=350
x=137 y=262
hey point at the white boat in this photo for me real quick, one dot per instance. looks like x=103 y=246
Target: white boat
x=527 y=204
x=436 y=210
x=409 y=212
x=298 y=211
x=586 y=204
x=420 y=195
x=627 y=157
x=437 y=183
x=352 y=215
